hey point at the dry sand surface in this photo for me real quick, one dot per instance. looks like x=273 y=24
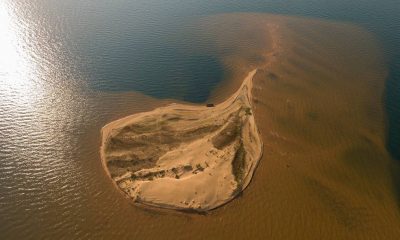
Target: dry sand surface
x=185 y=157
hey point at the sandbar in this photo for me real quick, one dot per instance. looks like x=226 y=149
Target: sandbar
x=185 y=157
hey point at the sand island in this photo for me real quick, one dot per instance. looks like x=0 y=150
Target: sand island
x=185 y=157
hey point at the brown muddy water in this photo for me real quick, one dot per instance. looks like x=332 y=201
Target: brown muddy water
x=325 y=173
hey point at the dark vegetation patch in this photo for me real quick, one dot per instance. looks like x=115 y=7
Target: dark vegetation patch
x=132 y=165
x=238 y=167
x=227 y=135
x=149 y=176
x=199 y=131
x=114 y=144
x=140 y=127
x=187 y=168
x=247 y=111
x=199 y=167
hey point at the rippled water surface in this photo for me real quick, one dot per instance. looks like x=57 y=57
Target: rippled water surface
x=67 y=68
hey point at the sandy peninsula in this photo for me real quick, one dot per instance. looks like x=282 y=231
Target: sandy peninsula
x=185 y=157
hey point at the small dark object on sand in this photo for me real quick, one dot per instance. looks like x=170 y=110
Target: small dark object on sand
x=210 y=105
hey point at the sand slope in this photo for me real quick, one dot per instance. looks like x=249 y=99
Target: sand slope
x=184 y=156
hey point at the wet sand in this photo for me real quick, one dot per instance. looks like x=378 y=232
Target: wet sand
x=325 y=172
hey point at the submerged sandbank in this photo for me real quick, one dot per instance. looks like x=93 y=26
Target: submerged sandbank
x=184 y=156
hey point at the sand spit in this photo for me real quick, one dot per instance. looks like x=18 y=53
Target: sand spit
x=185 y=157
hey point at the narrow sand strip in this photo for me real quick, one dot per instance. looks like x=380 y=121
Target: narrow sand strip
x=185 y=157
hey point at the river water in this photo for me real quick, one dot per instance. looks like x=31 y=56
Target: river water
x=68 y=67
